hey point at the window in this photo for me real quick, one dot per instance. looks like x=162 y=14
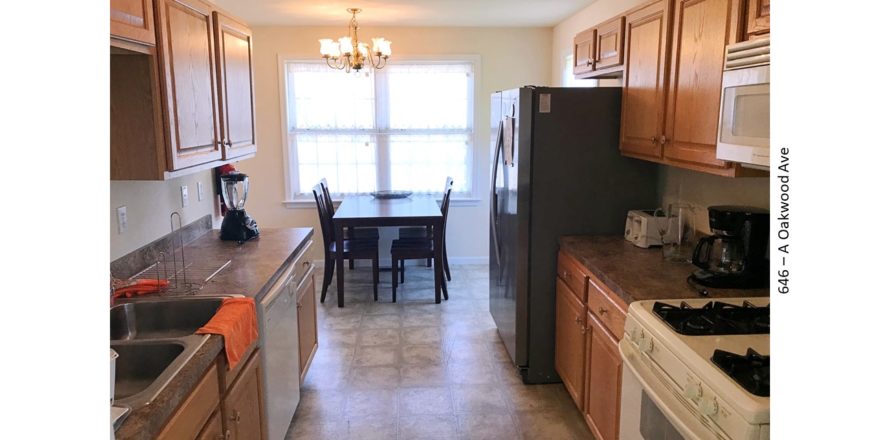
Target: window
x=404 y=127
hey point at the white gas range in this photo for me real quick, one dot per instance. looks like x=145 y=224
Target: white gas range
x=673 y=389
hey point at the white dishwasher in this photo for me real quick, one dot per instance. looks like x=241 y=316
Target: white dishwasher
x=280 y=342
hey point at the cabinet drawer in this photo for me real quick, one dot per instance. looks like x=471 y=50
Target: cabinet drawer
x=194 y=412
x=573 y=274
x=609 y=311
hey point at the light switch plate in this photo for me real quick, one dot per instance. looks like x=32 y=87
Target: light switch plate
x=201 y=191
x=184 y=196
x=121 y=220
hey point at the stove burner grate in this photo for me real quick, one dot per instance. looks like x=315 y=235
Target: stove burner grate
x=715 y=318
x=751 y=371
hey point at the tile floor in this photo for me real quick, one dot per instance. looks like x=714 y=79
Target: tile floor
x=419 y=370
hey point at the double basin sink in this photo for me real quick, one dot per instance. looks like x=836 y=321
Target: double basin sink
x=155 y=338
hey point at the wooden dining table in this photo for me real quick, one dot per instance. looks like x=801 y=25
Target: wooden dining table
x=368 y=211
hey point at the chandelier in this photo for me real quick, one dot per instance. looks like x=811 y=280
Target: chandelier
x=349 y=53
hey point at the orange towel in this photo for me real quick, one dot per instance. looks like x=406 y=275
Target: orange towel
x=139 y=287
x=236 y=321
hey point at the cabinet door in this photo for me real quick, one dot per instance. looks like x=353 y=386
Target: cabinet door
x=644 y=80
x=702 y=28
x=132 y=20
x=570 y=335
x=584 y=52
x=235 y=74
x=186 y=42
x=306 y=310
x=603 y=399
x=758 y=18
x=609 y=43
x=244 y=404
x=213 y=430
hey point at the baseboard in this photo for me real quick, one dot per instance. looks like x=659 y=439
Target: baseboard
x=386 y=262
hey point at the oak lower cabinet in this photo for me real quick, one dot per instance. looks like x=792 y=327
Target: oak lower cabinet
x=587 y=359
x=243 y=403
x=213 y=430
x=570 y=341
x=307 y=320
x=673 y=62
x=186 y=104
x=602 y=411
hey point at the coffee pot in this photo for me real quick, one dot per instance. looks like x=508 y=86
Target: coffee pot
x=736 y=256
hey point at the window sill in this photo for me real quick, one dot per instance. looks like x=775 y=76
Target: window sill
x=309 y=203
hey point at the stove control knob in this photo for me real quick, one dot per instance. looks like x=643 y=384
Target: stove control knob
x=709 y=407
x=646 y=345
x=693 y=391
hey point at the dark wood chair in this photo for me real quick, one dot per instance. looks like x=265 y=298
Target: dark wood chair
x=353 y=233
x=353 y=249
x=421 y=233
x=404 y=249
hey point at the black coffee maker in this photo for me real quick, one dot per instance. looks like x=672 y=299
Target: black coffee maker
x=237 y=225
x=736 y=256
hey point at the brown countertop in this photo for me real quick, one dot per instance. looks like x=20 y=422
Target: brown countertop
x=637 y=274
x=256 y=266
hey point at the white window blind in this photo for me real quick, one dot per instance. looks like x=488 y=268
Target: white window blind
x=405 y=127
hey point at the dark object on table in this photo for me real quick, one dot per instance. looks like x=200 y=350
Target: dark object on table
x=387 y=195
x=565 y=176
x=349 y=233
x=426 y=233
x=417 y=248
x=351 y=249
x=736 y=255
x=237 y=224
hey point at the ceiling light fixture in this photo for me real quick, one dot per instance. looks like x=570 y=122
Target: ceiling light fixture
x=349 y=53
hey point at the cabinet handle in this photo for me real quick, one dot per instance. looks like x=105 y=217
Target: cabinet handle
x=565 y=274
x=235 y=417
x=603 y=310
x=299 y=305
x=227 y=143
x=225 y=436
x=653 y=139
x=663 y=139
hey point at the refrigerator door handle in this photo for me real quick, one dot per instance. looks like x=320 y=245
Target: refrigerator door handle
x=493 y=224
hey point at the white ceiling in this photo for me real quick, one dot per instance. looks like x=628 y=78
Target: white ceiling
x=405 y=12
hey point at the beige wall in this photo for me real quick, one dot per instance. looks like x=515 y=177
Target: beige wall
x=509 y=57
x=674 y=184
x=149 y=205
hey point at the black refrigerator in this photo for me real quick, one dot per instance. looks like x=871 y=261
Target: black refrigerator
x=556 y=171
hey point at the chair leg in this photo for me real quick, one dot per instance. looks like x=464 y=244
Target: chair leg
x=376 y=276
x=329 y=265
x=393 y=279
x=428 y=262
x=446 y=264
x=444 y=288
x=402 y=270
x=351 y=264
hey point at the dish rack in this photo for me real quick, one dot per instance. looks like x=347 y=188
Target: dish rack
x=184 y=278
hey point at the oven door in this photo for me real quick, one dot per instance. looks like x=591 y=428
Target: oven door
x=649 y=410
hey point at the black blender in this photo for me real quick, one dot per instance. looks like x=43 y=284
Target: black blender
x=736 y=255
x=237 y=225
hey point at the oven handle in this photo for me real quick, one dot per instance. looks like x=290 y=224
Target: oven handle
x=665 y=400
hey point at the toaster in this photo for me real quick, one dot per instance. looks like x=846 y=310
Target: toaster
x=642 y=227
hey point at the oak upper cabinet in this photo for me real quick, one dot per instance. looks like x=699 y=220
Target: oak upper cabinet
x=307 y=321
x=186 y=42
x=609 y=43
x=235 y=75
x=701 y=30
x=602 y=409
x=570 y=341
x=757 y=18
x=644 y=80
x=584 y=53
x=243 y=404
x=132 y=20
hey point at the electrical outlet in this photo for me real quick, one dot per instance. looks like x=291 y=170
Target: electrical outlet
x=201 y=191
x=184 y=196
x=121 y=220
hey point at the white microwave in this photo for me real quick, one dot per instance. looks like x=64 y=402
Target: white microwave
x=744 y=120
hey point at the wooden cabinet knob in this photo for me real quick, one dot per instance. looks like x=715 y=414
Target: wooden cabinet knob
x=603 y=310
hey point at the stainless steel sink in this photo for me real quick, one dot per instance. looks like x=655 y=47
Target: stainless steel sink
x=155 y=339
x=161 y=317
x=145 y=367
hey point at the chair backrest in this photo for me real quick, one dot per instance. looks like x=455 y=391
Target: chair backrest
x=324 y=215
x=444 y=205
x=325 y=192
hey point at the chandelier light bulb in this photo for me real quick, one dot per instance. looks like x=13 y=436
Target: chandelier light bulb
x=349 y=53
